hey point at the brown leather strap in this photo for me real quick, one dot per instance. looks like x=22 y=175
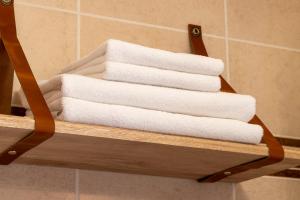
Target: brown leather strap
x=44 y=123
x=6 y=80
x=276 y=152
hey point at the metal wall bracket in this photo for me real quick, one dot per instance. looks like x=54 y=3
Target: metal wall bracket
x=276 y=152
x=13 y=55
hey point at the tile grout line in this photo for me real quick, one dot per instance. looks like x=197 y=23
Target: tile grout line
x=114 y=19
x=158 y=26
x=226 y=41
x=144 y=24
x=140 y=23
x=233 y=185
x=78 y=46
x=264 y=44
x=78 y=28
x=77 y=184
x=49 y=8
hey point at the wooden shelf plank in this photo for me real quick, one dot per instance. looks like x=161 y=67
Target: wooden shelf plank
x=130 y=151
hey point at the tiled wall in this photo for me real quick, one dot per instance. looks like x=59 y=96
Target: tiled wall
x=259 y=40
x=268 y=188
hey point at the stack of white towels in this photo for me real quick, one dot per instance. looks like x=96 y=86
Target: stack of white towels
x=131 y=86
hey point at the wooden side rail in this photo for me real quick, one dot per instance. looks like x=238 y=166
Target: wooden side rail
x=276 y=152
x=10 y=46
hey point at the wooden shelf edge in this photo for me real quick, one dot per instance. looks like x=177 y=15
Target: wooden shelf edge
x=130 y=151
x=135 y=135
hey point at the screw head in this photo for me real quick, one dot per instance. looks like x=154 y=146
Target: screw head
x=227 y=173
x=12 y=153
x=6 y=2
x=196 y=31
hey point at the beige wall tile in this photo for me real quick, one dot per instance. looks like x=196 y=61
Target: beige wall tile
x=65 y=4
x=171 y=13
x=48 y=39
x=95 y=31
x=269 y=188
x=275 y=22
x=19 y=182
x=272 y=76
x=113 y=186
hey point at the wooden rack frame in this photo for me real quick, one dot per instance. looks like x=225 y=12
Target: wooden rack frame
x=12 y=56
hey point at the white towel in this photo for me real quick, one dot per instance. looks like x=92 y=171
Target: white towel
x=79 y=111
x=124 y=52
x=218 y=104
x=130 y=73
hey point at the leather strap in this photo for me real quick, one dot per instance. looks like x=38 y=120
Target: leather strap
x=44 y=122
x=276 y=152
x=6 y=80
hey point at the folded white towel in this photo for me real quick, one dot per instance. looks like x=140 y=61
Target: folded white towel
x=218 y=104
x=79 y=111
x=130 y=73
x=124 y=52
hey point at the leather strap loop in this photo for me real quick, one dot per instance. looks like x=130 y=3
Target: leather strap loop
x=44 y=122
x=276 y=152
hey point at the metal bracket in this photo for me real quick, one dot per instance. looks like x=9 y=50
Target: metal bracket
x=276 y=152
x=44 y=122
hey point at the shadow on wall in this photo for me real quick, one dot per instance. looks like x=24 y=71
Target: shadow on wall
x=38 y=183
x=268 y=188
x=104 y=185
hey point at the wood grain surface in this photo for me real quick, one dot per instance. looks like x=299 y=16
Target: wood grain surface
x=130 y=151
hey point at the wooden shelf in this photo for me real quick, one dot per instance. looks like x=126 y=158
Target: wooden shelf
x=121 y=150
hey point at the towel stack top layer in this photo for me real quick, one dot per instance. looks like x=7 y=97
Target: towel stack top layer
x=124 y=52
